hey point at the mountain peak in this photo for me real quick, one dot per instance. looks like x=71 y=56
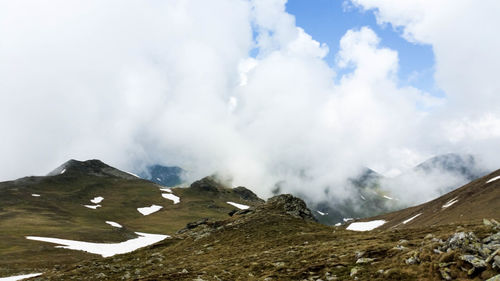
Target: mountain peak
x=92 y=167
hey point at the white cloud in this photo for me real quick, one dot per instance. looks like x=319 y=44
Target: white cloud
x=171 y=82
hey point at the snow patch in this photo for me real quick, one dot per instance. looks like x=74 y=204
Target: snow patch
x=166 y=190
x=20 y=277
x=62 y=172
x=387 y=197
x=449 y=203
x=34 y=195
x=365 y=226
x=493 y=179
x=114 y=224
x=321 y=213
x=149 y=210
x=158 y=179
x=239 y=206
x=92 y=206
x=97 y=200
x=410 y=219
x=132 y=174
x=362 y=197
x=105 y=249
x=338 y=224
x=172 y=197
x=347 y=219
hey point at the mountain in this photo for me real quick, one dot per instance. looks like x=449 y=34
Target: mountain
x=163 y=175
x=464 y=165
x=207 y=231
x=374 y=192
x=94 y=202
x=280 y=240
x=369 y=199
x=468 y=204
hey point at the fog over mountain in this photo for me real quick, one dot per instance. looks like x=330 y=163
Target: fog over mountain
x=236 y=87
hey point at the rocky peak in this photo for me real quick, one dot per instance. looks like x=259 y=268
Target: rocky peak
x=291 y=205
x=91 y=167
x=247 y=194
x=208 y=184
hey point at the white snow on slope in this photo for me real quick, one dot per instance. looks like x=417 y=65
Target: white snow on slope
x=172 y=197
x=62 y=172
x=493 y=179
x=158 y=179
x=149 y=210
x=239 y=206
x=449 y=203
x=20 y=277
x=34 y=195
x=92 y=206
x=114 y=224
x=166 y=190
x=105 y=249
x=365 y=226
x=410 y=219
x=387 y=197
x=347 y=219
x=321 y=213
x=97 y=200
x=132 y=174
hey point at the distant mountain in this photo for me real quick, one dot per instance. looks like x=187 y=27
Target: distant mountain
x=468 y=204
x=369 y=199
x=163 y=175
x=465 y=165
x=93 y=202
x=373 y=196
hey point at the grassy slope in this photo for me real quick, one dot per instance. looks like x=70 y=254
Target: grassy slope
x=59 y=213
x=274 y=245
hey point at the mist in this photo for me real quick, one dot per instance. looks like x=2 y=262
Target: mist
x=236 y=87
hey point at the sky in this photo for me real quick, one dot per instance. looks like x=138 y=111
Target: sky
x=303 y=93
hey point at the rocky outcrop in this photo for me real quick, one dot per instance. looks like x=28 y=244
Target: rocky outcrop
x=207 y=184
x=247 y=194
x=291 y=205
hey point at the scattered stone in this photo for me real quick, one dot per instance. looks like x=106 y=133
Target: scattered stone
x=279 y=264
x=493 y=255
x=355 y=270
x=101 y=275
x=184 y=271
x=411 y=260
x=359 y=254
x=364 y=260
x=496 y=262
x=400 y=248
x=487 y=222
x=474 y=261
x=445 y=273
x=429 y=236
x=494 y=278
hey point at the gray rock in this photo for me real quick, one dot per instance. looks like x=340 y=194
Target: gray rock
x=474 y=261
x=411 y=260
x=355 y=270
x=364 y=260
x=494 y=278
x=291 y=205
x=445 y=273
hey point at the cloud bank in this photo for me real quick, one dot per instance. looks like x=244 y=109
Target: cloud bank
x=173 y=82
